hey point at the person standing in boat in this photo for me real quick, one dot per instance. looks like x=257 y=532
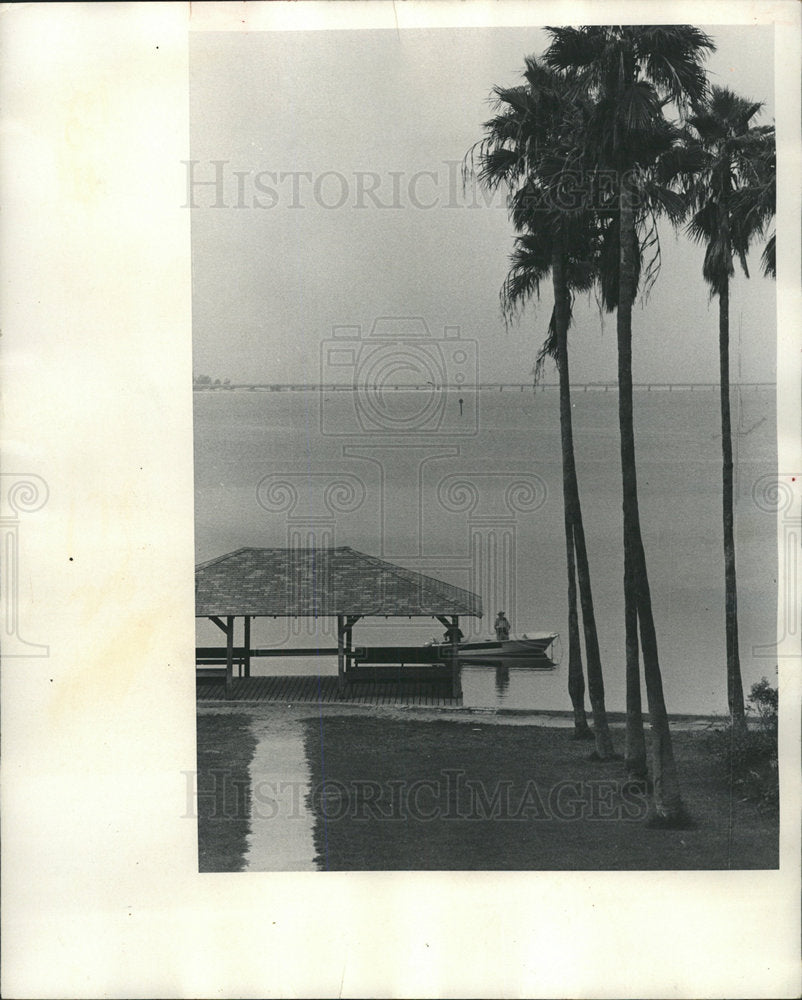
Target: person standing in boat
x=502 y=627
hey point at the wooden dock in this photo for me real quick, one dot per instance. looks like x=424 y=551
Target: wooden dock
x=323 y=691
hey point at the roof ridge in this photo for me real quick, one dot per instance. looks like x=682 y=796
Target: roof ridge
x=218 y=559
x=292 y=548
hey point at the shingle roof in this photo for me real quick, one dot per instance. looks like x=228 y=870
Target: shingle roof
x=321 y=582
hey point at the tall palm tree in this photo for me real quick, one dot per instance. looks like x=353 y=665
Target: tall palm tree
x=550 y=249
x=631 y=72
x=731 y=196
x=530 y=263
x=756 y=202
x=525 y=148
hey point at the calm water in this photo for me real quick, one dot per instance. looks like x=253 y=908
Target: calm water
x=473 y=495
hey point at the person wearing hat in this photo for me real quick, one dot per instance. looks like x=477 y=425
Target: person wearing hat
x=502 y=627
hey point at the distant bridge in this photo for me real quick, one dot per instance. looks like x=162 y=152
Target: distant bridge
x=483 y=386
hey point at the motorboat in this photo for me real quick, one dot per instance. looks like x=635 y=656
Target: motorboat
x=526 y=646
x=518 y=648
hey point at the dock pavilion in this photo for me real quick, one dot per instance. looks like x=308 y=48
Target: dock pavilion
x=325 y=582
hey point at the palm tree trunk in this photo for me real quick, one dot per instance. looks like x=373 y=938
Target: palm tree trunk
x=735 y=691
x=667 y=799
x=635 y=748
x=576 y=678
x=604 y=742
x=573 y=512
x=635 y=751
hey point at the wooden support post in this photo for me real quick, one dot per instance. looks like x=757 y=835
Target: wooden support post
x=456 y=678
x=247 y=643
x=229 y=654
x=340 y=653
x=350 y=621
x=452 y=636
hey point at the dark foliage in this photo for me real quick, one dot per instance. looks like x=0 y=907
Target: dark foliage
x=750 y=757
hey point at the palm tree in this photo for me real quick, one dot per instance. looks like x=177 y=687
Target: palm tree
x=525 y=149
x=535 y=254
x=631 y=72
x=731 y=196
x=757 y=200
x=530 y=263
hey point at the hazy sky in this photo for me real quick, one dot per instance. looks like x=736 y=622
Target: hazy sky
x=341 y=202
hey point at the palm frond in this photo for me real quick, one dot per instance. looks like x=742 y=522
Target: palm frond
x=732 y=192
x=717 y=265
x=548 y=349
x=704 y=226
x=662 y=200
x=673 y=55
x=574 y=48
x=768 y=258
x=529 y=265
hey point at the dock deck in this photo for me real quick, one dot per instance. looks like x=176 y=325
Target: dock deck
x=323 y=690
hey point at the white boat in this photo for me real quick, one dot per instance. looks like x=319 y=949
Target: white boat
x=526 y=646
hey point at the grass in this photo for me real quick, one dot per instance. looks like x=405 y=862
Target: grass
x=411 y=794
x=437 y=795
x=225 y=749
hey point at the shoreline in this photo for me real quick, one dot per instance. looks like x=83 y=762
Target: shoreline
x=542 y=718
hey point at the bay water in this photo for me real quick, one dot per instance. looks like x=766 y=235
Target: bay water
x=466 y=485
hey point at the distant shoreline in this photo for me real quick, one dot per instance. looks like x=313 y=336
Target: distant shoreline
x=500 y=386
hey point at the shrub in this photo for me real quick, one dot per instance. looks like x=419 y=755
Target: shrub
x=750 y=757
x=765 y=698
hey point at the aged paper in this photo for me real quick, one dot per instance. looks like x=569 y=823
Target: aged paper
x=101 y=890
